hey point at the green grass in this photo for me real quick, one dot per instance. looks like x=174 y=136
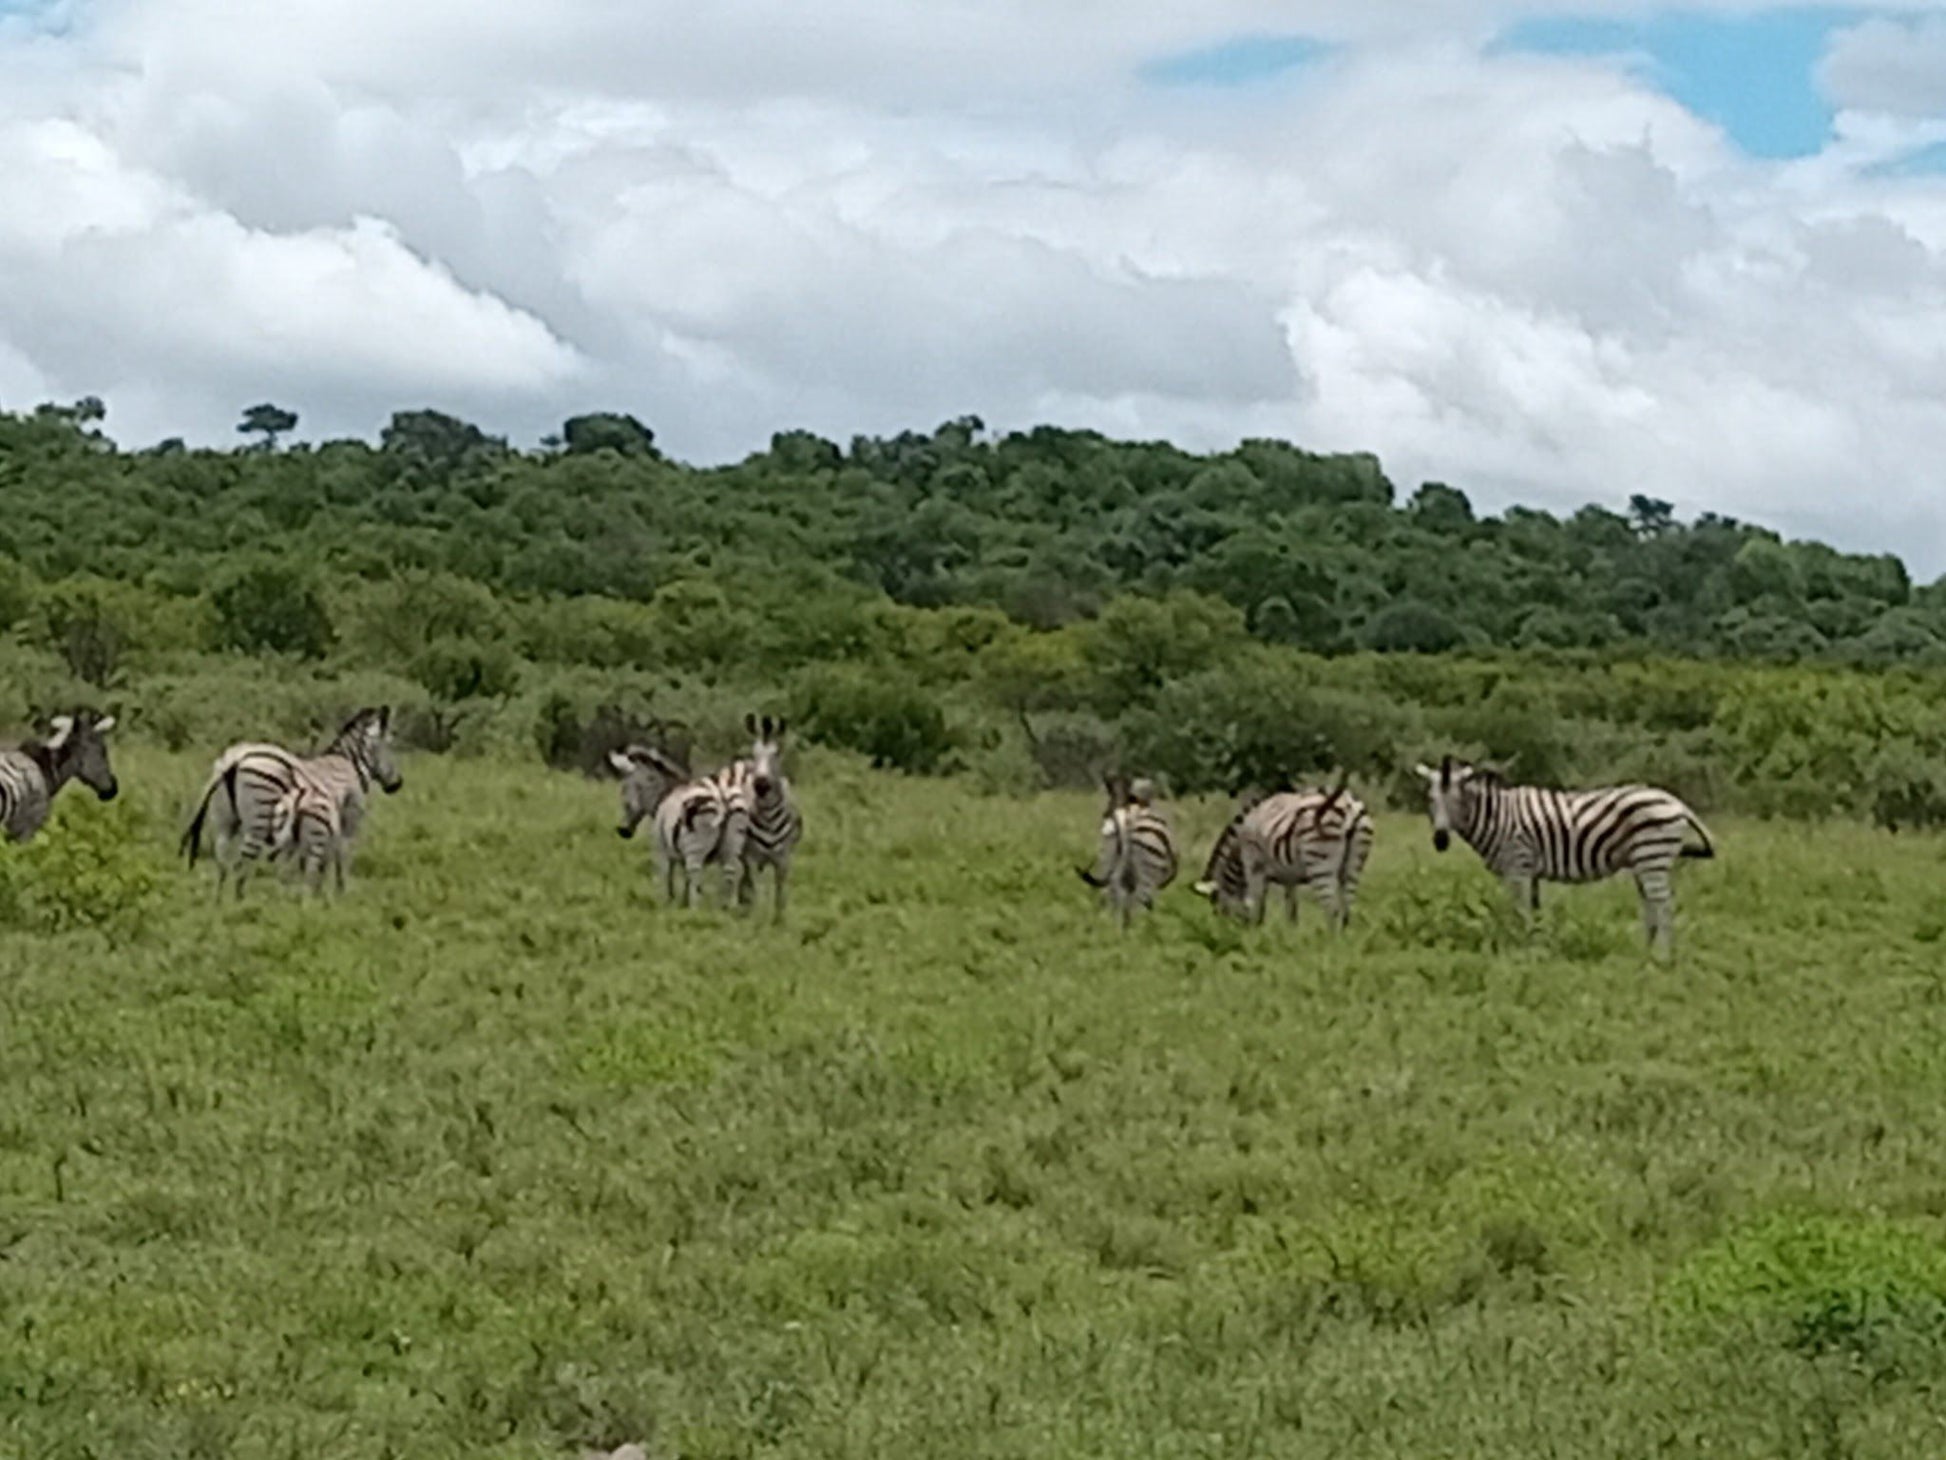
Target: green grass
x=499 y=1157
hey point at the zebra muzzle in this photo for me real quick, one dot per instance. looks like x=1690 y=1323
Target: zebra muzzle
x=1441 y=839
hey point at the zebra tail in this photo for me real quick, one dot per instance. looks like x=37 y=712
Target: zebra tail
x=1088 y=877
x=192 y=838
x=1708 y=848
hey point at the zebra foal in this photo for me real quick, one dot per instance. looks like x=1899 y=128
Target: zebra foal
x=250 y=790
x=32 y=774
x=1138 y=849
x=307 y=826
x=696 y=822
x=1314 y=840
x=1528 y=835
x=773 y=823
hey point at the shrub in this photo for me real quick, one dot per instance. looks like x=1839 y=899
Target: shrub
x=884 y=716
x=571 y=741
x=275 y=608
x=86 y=630
x=86 y=869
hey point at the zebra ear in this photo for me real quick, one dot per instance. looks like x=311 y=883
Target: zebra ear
x=621 y=763
x=63 y=727
x=750 y=724
x=104 y=724
x=777 y=730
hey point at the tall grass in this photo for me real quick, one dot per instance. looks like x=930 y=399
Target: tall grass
x=500 y=1157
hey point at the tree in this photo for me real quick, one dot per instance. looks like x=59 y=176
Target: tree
x=1650 y=516
x=607 y=431
x=269 y=422
x=1413 y=627
x=1440 y=508
x=272 y=607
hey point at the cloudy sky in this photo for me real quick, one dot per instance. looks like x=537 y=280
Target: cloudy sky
x=1547 y=255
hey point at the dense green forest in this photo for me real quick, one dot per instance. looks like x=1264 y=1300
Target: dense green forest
x=1028 y=607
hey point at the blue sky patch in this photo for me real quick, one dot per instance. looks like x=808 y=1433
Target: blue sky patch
x=1753 y=75
x=1236 y=62
x=1927 y=161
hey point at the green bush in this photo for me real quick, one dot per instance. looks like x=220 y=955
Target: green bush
x=892 y=720
x=274 y=608
x=89 y=867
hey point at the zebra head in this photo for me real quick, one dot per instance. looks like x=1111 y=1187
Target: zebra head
x=76 y=749
x=648 y=776
x=367 y=740
x=1450 y=791
x=766 y=753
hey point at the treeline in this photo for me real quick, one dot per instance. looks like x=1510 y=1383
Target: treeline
x=1029 y=608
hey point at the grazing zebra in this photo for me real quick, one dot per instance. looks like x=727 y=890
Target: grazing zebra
x=1529 y=834
x=1318 y=840
x=697 y=822
x=306 y=825
x=251 y=780
x=32 y=775
x=773 y=824
x=1138 y=849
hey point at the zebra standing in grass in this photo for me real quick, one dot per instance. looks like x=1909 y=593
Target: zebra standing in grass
x=306 y=825
x=1529 y=834
x=773 y=822
x=33 y=774
x=1138 y=849
x=697 y=822
x=1318 y=840
x=252 y=780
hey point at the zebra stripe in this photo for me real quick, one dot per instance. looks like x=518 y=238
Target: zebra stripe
x=697 y=822
x=33 y=774
x=307 y=827
x=1317 y=840
x=1138 y=850
x=251 y=779
x=1530 y=834
x=773 y=823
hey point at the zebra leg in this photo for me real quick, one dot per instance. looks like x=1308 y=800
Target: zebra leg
x=780 y=873
x=1290 y=903
x=1658 y=908
x=1521 y=885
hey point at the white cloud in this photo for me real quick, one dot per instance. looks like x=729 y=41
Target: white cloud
x=1534 y=278
x=1891 y=65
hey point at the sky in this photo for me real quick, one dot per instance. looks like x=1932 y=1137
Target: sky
x=1547 y=255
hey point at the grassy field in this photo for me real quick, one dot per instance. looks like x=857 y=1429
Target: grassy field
x=499 y=1157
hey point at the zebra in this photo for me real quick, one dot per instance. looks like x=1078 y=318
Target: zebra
x=697 y=822
x=774 y=825
x=251 y=779
x=33 y=774
x=1316 y=839
x=1138 y=849
x=306 y=824
x=1530 y=834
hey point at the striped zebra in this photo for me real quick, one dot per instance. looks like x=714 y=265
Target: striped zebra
x=33 y=774
x=251 y=780
x=1317 y=840
x=696 y=821
x=306 y=826
x=1528 y=835
x=1138 y=849
x=774 y=825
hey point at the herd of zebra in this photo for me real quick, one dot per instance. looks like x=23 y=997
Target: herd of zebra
x=1319 y=840
x=263 y=803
